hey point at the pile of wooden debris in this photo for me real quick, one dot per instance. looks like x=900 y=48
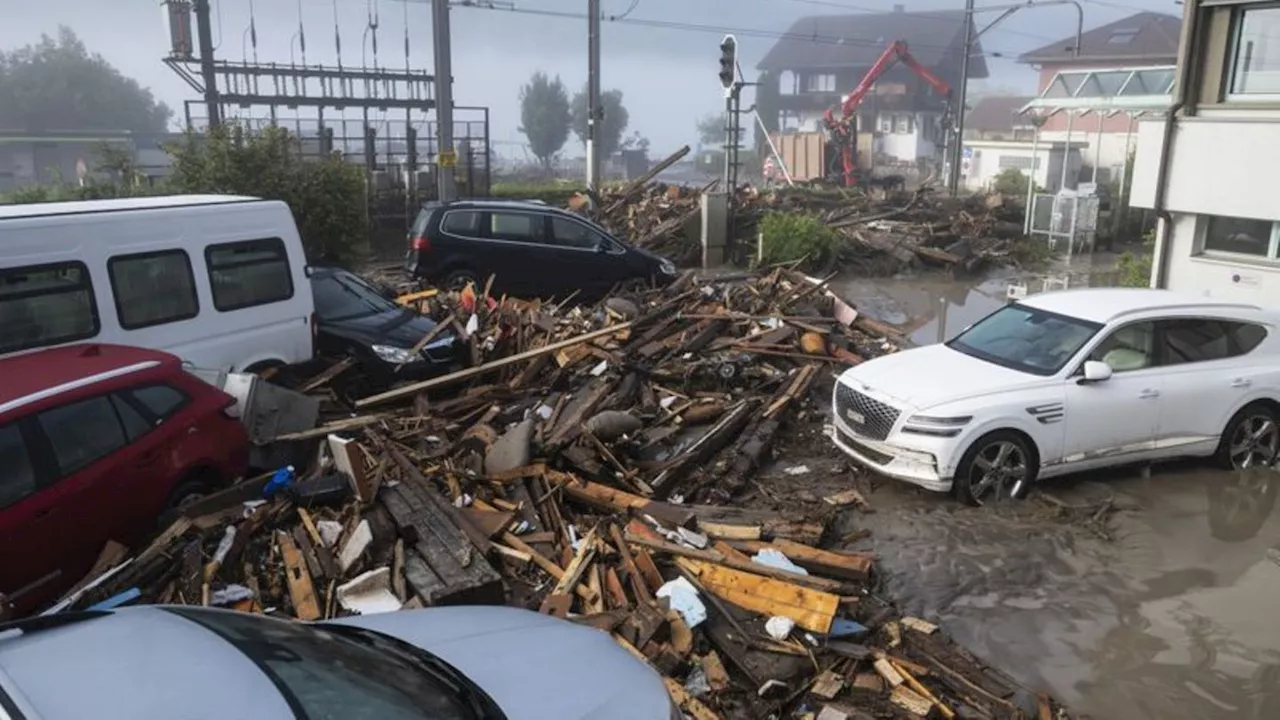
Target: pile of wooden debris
x=580 y=467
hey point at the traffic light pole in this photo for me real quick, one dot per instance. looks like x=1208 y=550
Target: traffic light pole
x=594 y=111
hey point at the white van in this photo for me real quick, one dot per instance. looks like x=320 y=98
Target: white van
x=219 y=281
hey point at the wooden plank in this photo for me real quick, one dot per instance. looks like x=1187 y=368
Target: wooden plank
x=753 y=568
x=849 y=566
x=827 y=685
x=586 y=552
x=911 y=701
x=687 y=702
x=301 y=592
x=451 y=378
x=811 y=609
x=717 y=675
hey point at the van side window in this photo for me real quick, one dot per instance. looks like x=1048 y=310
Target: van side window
x=461 y=222
x=568 y=233
x=46 y=305
x=82 y=433
x=19 y=477
x=245 y=274
x=516 y=226
x=153 y=288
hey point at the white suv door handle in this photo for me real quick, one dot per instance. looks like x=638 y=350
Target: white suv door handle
x=1148 y=394
x=1241 y=383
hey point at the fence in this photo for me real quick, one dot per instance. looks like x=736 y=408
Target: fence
x=1071 y=220
x=399 y=157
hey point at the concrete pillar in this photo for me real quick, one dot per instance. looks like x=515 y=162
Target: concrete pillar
x=715 y=229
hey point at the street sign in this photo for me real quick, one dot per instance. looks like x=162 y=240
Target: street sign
x=447 y=159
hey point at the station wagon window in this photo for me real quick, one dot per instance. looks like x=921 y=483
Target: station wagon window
x=1246 y=336
x=135 y=425
x=517 y=226
x=19 y=478
x=44 y=305
x=568 y=233
x=250 y=273
x=162 y=401
x=82 y=432
x=461 y=222
x=153 y=288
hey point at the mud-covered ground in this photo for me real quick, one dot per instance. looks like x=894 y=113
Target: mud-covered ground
x=1126 y=596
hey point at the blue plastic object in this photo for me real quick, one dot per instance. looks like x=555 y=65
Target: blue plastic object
x=117 y=600
x=844 y=627
x=281 y=480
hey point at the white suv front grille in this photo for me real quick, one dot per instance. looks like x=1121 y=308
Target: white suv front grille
x=863 y=414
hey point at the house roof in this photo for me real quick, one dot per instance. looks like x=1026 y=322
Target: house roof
x=997 y=113
x=856 y=40
x=1141 y=36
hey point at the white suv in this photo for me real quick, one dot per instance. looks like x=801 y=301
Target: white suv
x=1068 y=381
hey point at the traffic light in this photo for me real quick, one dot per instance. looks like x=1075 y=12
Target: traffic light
x=728 y=61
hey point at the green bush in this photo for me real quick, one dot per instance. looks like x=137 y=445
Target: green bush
x=327 y=196
x=797 y=236
x=1011 y=181
x=1134 y=269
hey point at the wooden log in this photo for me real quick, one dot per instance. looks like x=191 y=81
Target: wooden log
x=451 y=378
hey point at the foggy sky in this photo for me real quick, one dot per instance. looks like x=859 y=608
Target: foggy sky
x=667 y=76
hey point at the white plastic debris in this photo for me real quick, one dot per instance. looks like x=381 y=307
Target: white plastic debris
x=224 y=545
x=330 y=531
x=229 y=595
x=697 y=684
x=779 y=627
x=544 y=411
x=369 y=593
x=251 y=505
x=473 y=324
x=770 y=557
x=684 y=600
x=599 y=369
x=354 y=547
x=797 y=470
x=667 y=402
x=696 y=539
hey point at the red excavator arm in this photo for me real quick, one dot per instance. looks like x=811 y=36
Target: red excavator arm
x=842 y=130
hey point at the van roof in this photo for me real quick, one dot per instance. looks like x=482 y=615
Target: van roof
x=44 y=373
x=80 y=207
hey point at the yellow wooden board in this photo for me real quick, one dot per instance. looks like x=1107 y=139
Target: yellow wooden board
x=811 y=609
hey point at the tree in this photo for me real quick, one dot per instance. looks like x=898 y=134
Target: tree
x=711 y=132
x=612 y=125
x=544 y=116
x=57 y=84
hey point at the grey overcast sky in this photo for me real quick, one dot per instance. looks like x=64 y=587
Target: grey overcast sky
x=667 y=74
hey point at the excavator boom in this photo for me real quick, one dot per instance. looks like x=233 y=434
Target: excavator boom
x=842 y=130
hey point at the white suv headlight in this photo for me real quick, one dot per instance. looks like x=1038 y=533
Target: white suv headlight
x=396 y=355
x=666 y=267
x=936 y=426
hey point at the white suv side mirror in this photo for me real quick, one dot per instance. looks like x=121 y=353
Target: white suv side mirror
x=1095 y=371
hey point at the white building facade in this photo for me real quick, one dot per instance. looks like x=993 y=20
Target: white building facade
x=1212 y=183
x=1042 y=161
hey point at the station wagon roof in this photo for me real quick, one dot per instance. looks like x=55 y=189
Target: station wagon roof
x=508 y=205
x=36 y=375
x=1106 y=305
x=80 y=207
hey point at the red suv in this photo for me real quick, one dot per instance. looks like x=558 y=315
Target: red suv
x=96 y=441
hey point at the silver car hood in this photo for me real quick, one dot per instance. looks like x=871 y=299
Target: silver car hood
x=534 y=666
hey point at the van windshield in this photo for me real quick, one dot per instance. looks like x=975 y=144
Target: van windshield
x=346 y=297
x=1026 y=339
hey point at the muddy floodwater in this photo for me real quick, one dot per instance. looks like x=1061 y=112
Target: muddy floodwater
x=1169 y=609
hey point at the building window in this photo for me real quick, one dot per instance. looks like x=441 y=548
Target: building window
x=886 y=123
x=902 y=124
x=245 y=274
x=1239 y=237
x=821 y=82
x=1018 y=162
x=46 y=305
x=153 y=288
x=1255 y=65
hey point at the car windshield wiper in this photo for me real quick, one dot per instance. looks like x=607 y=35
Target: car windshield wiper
x=443 y=673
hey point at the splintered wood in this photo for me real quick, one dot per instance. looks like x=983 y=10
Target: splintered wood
x=598 y=464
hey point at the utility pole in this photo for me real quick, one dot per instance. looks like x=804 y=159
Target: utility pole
x=204 y=36
x=446 y=158
x=957 y=152
x=595 y=113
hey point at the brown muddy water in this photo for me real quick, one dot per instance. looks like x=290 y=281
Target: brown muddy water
x=1175 y=616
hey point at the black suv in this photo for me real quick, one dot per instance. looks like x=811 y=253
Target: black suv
x=531 y=249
